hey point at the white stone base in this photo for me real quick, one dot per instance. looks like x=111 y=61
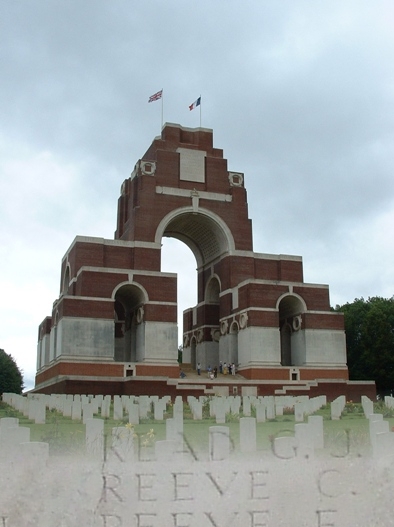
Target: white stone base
x=325 y=347
x=208 y=354
x=260 y=346
x=160 y=342
x=85 y=337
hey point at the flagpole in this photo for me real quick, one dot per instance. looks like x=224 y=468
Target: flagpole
x=200 y=111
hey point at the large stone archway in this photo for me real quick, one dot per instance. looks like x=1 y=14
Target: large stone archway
x=209 y=239
x=202 y=231
x=117 y=311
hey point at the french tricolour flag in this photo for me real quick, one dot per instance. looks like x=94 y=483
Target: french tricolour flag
x=195 y=104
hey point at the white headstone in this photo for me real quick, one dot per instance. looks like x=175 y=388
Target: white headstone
x=299 y=410
x=246 y=406
x=316 y=424
x=260 y=412
x=247 y=434
x=134 y=416
x=95 y=437
x=305 y=440
x=76 y=413
x=87 y=412
x=118 y=408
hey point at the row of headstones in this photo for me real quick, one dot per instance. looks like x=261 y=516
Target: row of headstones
x=382 y=439
x=265 y=407
x=308 y=436
x=33 y=409
x=367 y=404
x=83 y=407
x=338 y=405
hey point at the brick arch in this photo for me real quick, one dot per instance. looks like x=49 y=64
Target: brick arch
x=128 y=315
x=292 y=301
x=212 y=290
x=140 y=290
x=193 y=351
x=66 y=279
x=292 y=334
x=204 y=232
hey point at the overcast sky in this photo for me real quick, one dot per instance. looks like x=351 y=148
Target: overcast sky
x=299 y=95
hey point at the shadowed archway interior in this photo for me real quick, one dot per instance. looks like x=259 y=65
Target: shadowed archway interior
x=201 y=233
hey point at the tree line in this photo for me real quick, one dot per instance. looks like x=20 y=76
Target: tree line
x=369 y=326
x=11 y=377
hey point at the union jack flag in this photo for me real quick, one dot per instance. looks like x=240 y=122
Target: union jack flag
x=156 y=96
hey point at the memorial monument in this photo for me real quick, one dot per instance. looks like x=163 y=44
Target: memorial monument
x=115 y=320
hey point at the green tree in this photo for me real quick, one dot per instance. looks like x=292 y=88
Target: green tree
x=11 y=378
x=369 y=326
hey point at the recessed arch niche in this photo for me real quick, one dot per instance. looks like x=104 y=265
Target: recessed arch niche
x=292 y=337
x=128 y=320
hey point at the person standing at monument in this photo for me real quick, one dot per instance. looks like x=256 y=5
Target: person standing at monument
x=199 y=369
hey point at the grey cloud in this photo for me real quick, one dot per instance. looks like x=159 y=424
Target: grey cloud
x=299 y=95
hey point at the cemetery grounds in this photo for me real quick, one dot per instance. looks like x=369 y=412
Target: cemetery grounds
x=349 y=434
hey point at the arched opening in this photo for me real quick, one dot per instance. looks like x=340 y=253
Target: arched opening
x=285 y=345
x=233 y=344
x=203 y=232
x=129 y=301
x=56 y=347
x=212 y=291
x=193 y=352
x=208 y=238
x=66 y=280
x=292 y=336
x=176 y=257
